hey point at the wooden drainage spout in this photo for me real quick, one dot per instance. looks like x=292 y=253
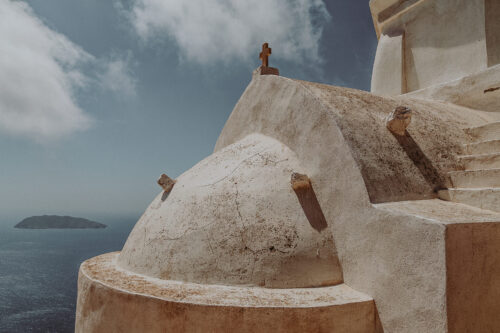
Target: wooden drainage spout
x=301 y=184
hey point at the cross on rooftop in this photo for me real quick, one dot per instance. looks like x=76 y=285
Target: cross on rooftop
x=264 y=55
x=264 y=69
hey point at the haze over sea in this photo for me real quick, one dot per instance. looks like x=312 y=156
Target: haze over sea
x=39 y=271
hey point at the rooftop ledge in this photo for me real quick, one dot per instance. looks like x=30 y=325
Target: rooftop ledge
x=104 y=270
x=441 y=212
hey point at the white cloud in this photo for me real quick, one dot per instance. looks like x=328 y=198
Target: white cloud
x=222 y=30
x=40 y=73
x=38 y=76
x=117 y=77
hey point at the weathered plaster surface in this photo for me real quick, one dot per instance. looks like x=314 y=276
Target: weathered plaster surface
x=473 y=264
x=492 y=12
x=484 y=198
x=476 y=91
x=444 y=40
x=388 y=173
x=396 y=257
x=234 y=219
x=472 y=261
x=441 y=212
x=111 y=299
x=388 y=69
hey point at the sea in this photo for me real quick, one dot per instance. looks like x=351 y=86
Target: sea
x=39 y=272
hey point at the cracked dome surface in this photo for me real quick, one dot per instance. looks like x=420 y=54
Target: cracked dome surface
x=234 y=219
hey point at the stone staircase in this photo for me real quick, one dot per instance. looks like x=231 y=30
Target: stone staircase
x=479 y=184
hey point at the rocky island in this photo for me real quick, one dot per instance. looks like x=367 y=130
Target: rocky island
x=58 y=222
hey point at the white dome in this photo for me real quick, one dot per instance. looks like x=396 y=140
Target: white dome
x=234 y=219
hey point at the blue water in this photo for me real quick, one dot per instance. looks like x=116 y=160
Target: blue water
x=39 y=271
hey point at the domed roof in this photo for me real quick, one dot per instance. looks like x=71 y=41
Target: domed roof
x=234 y=219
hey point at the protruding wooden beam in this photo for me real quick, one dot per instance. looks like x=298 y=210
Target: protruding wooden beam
x=166 y=183
x=399 y=120
x=301 y=184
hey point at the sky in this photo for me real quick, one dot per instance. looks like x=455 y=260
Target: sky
x=98 y=98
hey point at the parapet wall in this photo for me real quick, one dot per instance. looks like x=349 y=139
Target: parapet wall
x=304 y=115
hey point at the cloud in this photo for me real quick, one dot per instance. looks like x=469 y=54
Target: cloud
x=209 y=31
x=38 y=73
x=41 y=72
x=117 y=76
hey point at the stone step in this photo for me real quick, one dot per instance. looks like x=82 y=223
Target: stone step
x=484 y=147
x=484 y=198
x=481 y=162
x=486 y=132
x=475 y=178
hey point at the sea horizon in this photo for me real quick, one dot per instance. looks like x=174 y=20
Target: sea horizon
x=39 y=270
